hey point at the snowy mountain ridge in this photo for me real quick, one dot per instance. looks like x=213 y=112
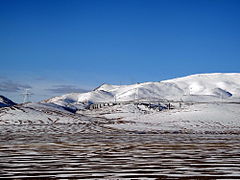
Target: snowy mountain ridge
x=198 y=87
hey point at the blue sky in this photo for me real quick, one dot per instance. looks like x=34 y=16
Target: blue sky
x=59 y=46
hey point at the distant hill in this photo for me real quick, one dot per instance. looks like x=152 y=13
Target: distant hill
x=5 y=102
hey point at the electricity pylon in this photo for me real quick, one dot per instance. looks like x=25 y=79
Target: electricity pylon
x=26 y=95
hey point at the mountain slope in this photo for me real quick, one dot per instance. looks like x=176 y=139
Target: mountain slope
x=210 y=84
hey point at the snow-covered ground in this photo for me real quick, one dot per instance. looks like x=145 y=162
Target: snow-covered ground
x=38 y=113
x=193 y=118
x=189 y=118
x=38 y=118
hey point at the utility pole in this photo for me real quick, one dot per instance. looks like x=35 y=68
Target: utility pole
x=180 y=103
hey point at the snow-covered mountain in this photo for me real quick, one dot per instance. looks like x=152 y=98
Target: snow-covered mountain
x=199 y=87
x=5 y=102
x=68 y=113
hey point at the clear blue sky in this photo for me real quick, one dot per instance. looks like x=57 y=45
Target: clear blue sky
x=56 y=46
